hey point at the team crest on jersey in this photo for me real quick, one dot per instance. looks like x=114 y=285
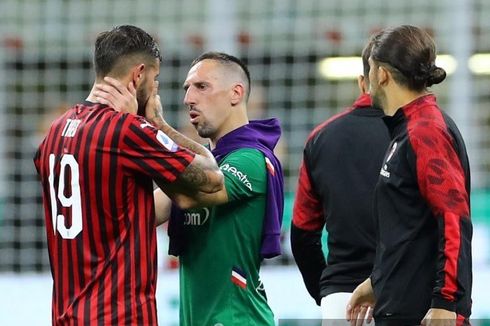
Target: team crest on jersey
x=384 y=170
x=239 y=277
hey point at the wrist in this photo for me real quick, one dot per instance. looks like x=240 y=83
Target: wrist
x=158 y=122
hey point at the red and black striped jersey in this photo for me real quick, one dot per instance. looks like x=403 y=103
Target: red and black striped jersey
x=96 y=167
x=422 y=200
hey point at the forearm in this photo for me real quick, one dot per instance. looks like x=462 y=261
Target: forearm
x=184 y=198
x=453 y=276
x=203 y=174
x=157 y=120
x=162 y=206
x=308 y=254
x=200 y=199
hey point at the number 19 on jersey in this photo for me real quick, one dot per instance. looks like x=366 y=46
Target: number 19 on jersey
x=74 y=202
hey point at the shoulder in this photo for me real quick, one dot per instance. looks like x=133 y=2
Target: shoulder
x=329 y=123
x=245 y=153
x=248 y=160
x=135 y=123
x=244 y=169
x=429 y=131
x=137 y=131
x=132 y=119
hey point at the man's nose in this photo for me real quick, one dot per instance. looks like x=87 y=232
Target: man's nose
x=189 y=98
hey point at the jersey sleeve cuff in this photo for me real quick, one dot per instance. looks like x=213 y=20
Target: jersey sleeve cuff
x=441 y=303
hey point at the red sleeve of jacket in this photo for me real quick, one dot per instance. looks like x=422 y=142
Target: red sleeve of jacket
x=441 y=180
x=306 y=232
x=308 y=210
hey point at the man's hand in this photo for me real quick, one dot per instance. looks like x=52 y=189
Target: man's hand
x=153 y=108
x=439 y=317
x=116 y=95
x=361 y=304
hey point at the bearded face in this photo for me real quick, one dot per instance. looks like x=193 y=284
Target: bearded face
x=377 y=93
x=144 y=90
x=142 y=96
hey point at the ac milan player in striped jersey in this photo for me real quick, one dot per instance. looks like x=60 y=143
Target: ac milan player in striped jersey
x=96 y=167
x=422 y=270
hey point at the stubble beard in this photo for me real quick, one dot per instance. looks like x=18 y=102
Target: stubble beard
x=379 y=98
x=142 y=99
x=205 y=130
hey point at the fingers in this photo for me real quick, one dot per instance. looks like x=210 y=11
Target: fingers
x=362 y=315
x=358 y=314
x=370 y=315
x=358 y=320
x=353 y=311
x=348 y=312
x=132 y=89
x=107 y=94
x=107 y=89
x=116 y=84
x=155 y=88
x=104 y=97
x=114 y=94
x=102 y=100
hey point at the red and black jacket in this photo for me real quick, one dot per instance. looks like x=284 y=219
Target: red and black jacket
x=340 y=168
x=423 y=257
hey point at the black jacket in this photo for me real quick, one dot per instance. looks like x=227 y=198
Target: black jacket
x=340 y=168
x=423 y=257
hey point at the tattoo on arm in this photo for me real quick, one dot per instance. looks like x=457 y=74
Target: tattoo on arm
x=194 y=176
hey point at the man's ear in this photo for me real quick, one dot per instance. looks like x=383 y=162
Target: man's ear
x=137 y=74
x=237 y=94
x=361 y=82
x=384 y=76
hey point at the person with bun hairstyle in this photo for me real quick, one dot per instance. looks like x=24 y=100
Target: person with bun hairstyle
x=422 y=272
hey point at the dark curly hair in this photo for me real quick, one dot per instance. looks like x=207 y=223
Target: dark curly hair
x=117 y=49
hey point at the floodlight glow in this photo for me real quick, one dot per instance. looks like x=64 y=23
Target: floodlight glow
x=447 y=62
x=342 y=68
x=479 y=64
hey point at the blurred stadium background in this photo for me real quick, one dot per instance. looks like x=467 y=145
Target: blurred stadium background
x=45 y=66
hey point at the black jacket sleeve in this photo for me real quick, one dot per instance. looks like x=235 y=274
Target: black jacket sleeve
x=308 y=254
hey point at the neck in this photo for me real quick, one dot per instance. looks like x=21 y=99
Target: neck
x=398 y=99
x=91 y=97
x=235 y=121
